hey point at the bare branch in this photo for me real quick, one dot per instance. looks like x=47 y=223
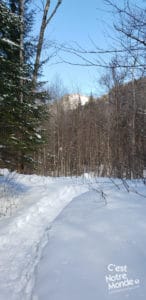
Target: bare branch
x=54 y=11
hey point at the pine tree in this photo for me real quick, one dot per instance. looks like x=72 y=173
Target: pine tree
x=8 y=75
x=20 y=116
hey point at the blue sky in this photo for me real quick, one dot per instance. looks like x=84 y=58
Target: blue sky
x=79 y=21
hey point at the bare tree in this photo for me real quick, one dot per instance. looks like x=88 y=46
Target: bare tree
x=129 y=41
x=44 y=23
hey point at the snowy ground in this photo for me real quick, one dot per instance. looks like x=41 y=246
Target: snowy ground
x=23 y=235
x=95 y=252
x=93 y=249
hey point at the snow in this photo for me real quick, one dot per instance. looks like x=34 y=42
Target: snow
x=73 y=100
x=54 y=248
x=23 y=235
x=8 y=41
x=38 y=135
x=95 y=251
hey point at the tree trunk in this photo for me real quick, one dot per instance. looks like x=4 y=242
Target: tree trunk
x=45 y=22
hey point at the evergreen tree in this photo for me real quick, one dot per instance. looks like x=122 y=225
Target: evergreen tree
x=8 y=75
x=20 y=116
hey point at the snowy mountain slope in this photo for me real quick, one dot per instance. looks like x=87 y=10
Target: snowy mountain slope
x=72 y=101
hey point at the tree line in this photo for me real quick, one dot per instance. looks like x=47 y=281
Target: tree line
x=106 y=136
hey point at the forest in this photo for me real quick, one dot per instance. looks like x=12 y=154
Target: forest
x=106 y=136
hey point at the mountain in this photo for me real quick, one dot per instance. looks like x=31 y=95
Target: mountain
x=71 y=101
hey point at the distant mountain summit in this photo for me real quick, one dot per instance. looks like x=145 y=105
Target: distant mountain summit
x=71 y=101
